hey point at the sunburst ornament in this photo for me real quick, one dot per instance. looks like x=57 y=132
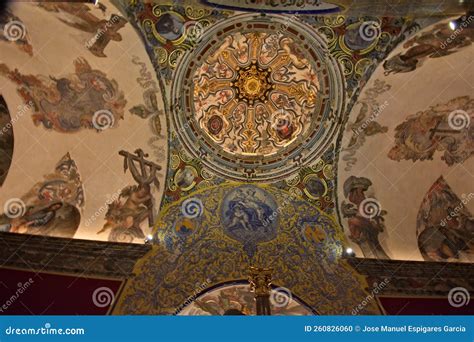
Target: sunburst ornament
x=253 y=83
x=257 y=98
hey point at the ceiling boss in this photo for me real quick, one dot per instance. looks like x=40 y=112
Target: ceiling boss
x=253 y=83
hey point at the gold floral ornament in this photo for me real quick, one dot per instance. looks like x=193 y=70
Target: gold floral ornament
x=253 y=83
x=255 y=78
x=252 y=93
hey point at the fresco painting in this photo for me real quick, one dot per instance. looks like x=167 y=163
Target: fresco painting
x=6 y=140
x=411 y=125
x=74 y=95
x=225 y=139
x=52 y=207
x=78 y=15
x=438 y=42
x=364 y=216
x=444 y=127
x=445 y=227
x=238 y=300
x=86 y=99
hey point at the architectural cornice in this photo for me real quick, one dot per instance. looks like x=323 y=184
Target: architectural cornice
x=417 y=278
x=69 y=256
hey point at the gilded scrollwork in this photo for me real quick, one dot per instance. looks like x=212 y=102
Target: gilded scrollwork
x=171 y=30
x=304 y=253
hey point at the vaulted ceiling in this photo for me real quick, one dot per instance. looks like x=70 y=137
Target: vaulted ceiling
x=229 y=133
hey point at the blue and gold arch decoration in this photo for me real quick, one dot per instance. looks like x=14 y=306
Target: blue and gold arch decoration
x=315 y=183
x=303 y=246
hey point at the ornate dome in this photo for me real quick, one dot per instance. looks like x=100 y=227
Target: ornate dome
x=258 y=96
x=254 y=99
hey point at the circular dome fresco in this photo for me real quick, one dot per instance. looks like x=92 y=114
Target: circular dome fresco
x=258 y=98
